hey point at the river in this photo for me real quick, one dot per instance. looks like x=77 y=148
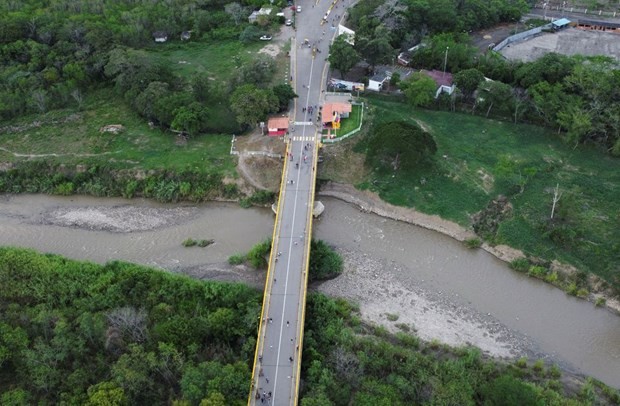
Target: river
x=580 y=336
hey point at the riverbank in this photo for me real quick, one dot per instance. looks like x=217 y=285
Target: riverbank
x=366 y=281
x=370 y=202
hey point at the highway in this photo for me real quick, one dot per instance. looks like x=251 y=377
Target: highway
x=275 y=377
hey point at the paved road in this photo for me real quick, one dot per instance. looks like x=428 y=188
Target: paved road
x=278 y=355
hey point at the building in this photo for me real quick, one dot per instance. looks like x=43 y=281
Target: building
x=599 y=26
x=559 y=24
x=333 y=112
x=277 y=126
x=160 y=36
x=257 y=13
x=404 y=58
x=442 y=79
x=377 y=81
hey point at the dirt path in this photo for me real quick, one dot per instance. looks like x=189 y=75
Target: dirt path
x=16 y=154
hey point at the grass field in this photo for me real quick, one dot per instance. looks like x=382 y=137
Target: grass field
x=70 y=137
x=219 y=59
x=479 y=159
x=76 y=139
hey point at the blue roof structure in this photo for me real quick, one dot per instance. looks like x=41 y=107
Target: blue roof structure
x=561 y=22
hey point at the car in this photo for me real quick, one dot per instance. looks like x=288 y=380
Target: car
x=299 y=9
x=289 y=22
x=266 y=38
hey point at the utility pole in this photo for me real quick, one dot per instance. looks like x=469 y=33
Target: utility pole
x=445 y=61
x=556 y=198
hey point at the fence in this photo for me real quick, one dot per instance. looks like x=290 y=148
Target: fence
x=577 y=10
x=350 y=133
x=521 y=36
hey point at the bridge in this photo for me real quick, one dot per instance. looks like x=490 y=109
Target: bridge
x=277 y=363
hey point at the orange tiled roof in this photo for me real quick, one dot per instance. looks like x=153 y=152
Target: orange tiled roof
x=329 y=109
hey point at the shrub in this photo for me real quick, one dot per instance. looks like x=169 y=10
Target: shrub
x=473 y=243
x=391 y=316
x=189 y=242
x=600 y=301
x=236 y=259
x=403 y=326
x=537 y=271
x=539 y=366
x=583 y=293
x=205 y=243
x=551 y=277
x=520 y=264
x=555 y=371
x=257 y=256
x=521 y=362
x=572 y=289
x=325 y=263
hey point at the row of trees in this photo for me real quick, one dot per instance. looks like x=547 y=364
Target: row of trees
x=576 y=95
x=79 y=333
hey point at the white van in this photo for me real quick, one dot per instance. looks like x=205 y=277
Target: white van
x=299 y=9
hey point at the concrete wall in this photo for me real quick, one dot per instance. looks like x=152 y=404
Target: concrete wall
x=521 y=36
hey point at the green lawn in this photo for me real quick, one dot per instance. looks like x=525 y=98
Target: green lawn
x=478 y=159
x=219 y=58
x=351 y=123
x=77 y=133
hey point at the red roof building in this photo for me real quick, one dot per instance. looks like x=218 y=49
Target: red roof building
x=277 y=126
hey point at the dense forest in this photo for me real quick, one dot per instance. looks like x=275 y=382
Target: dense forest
x=117 y=334
x=54 y=54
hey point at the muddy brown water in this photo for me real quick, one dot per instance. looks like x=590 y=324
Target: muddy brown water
x=572 y=330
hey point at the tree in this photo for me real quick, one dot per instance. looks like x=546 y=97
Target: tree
x=376 y=51
x=251 y=104
x=191 y=118
x=508 y=391
x=106 y=394
x=468 y=81
x=258 y=71
x=251 y=33
x=236 y=11
x=494 y=93
x=342 y=56
x=419 y=89
x=146 y=101
x=284 y=93
x=397 y=144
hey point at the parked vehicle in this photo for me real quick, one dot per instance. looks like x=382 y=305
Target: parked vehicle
x=299 y=9
x=266 y=38
x=289 y=22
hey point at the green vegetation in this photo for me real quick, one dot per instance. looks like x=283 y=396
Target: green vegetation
x=395 y=146
x=258 y=198
x=479 y=159
x=325 y=263
x=76 y=332
x=352 y=122
x=190 y=242
x=163 y=186
x=473 y=243
x=79 y=333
